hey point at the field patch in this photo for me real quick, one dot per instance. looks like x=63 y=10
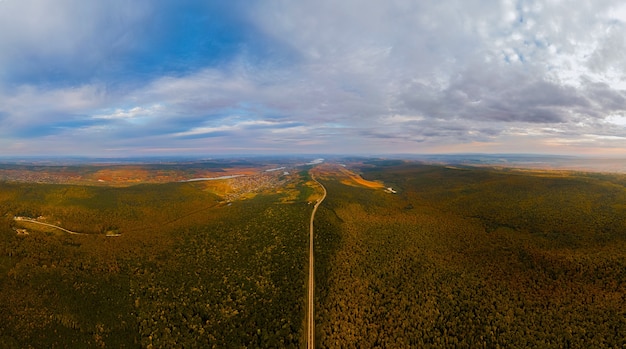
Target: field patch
x=346 y=176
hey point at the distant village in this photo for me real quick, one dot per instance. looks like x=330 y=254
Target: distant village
x=256 y=183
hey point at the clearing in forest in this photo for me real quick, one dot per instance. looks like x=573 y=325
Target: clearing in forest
x=346 y=176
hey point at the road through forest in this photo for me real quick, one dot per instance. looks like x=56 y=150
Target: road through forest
x=23 y=219
x=310 y=319
x=29 y=220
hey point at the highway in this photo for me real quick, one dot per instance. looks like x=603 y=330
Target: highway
x=310 y=318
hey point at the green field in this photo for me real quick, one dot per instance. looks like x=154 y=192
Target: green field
x=459 y=257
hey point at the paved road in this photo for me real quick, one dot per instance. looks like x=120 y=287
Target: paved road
x=310 y=319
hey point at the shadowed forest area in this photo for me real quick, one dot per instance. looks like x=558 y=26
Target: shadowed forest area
x=473 y=258
x=456 y=257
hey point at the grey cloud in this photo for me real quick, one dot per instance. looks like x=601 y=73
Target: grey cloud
x=605 y=98
x=610 y=53
x=502 y=94
x=465 y=71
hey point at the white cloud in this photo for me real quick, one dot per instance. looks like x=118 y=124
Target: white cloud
x=617 y=12
x=131 y=113
x=235 y=126
x=619 y=120
x=32 y=105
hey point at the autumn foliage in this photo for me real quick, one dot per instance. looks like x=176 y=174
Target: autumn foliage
x=455 y=258
x=471 y=258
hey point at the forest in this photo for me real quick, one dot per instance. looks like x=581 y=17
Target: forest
x=185 y=268
x=467 y=257
x=472 y=258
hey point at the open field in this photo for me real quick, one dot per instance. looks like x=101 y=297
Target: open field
x=346 y=176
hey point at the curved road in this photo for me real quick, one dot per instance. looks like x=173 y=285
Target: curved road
x=23 y=219
x=310 y=319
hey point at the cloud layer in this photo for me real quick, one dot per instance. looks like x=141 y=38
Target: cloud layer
x=165 y=77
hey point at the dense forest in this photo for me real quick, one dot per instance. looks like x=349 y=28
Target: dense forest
x=452 y=257
x=186 y=270
x=473 y=258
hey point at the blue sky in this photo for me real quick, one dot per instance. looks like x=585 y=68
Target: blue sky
x=148 y=77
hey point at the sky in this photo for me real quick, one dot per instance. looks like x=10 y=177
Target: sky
x=121 y=78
